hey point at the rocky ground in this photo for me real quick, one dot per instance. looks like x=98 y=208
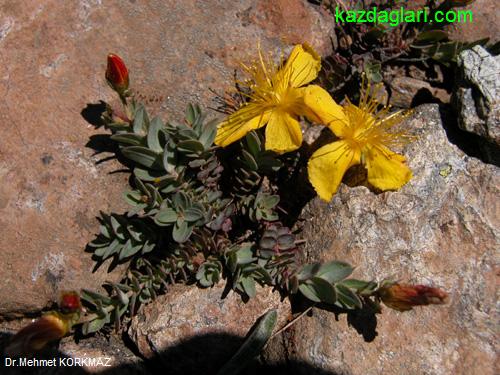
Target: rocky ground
x=442 y=228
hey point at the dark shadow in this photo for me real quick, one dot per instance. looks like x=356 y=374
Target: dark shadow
x=102 y=143
x=364 y=321
x=203 y=354
x=470 y=143
x=424 y=96
x=93 y=112
x=6 y=367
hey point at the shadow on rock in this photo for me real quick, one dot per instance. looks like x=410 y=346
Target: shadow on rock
x=203 y=354
x=471 y=144
x=93 y=112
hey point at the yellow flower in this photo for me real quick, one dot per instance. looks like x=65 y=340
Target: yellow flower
x=365 y=135
x=275 y=98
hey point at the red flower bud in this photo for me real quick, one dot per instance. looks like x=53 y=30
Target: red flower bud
x=117 y=74
x=403 y=297
x=70 y=303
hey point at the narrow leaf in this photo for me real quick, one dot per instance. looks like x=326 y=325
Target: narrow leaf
x=258 y=337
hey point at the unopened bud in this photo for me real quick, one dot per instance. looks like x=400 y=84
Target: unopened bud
x=403 y=297
x=117 y=74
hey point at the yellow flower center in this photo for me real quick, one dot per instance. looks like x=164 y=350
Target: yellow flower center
x=368 y=127
x=270 y=87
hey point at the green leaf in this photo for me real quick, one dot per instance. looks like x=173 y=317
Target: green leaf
x=166 y=216
x=347 y=297
x=361 y=286
x=256 y=340
x=208 y=274
x=318 y=290
x=193 y=214
x=253 y=143
x=128 y=139
x=100 y=241
x=111 y=249
x=231 y=261
x=144 y=156
x=129 y=249
x=154 y=134
x=181 y=232
x=169 y=158
x=93 y=297
x=270 y=201
x=244 y=255
x=94 y=325
x=141 y=121
x=181 y=200
x=147 y=247
x=309 y=292
x=100 y=251
x=122 y=297
x=191 y=114
x=334 y=271
x=308 y=271
x=249 y=159
x=207 y=137
x=185 y=132
x=191 y=146
x=248 y=284
x=117 y=228
x=263 y=276
x=132 y=197
x=104 y=230
x=373 y=70
x=324 y=290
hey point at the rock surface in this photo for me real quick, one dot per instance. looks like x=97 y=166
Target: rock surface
x=442 y=228
x=405 y=89
x=52 y=62
x=478 y=95
x=212 y=328
x=485 y=23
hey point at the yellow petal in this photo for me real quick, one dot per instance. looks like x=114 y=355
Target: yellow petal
x=283 y=133
x=239 y=123
x=323 y=109
x=327 y=166
x=302 y=65
x=386 y=169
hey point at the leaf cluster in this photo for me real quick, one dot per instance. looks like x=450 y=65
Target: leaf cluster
x=199 y=215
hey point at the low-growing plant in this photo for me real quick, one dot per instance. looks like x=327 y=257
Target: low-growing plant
x=200 y=214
